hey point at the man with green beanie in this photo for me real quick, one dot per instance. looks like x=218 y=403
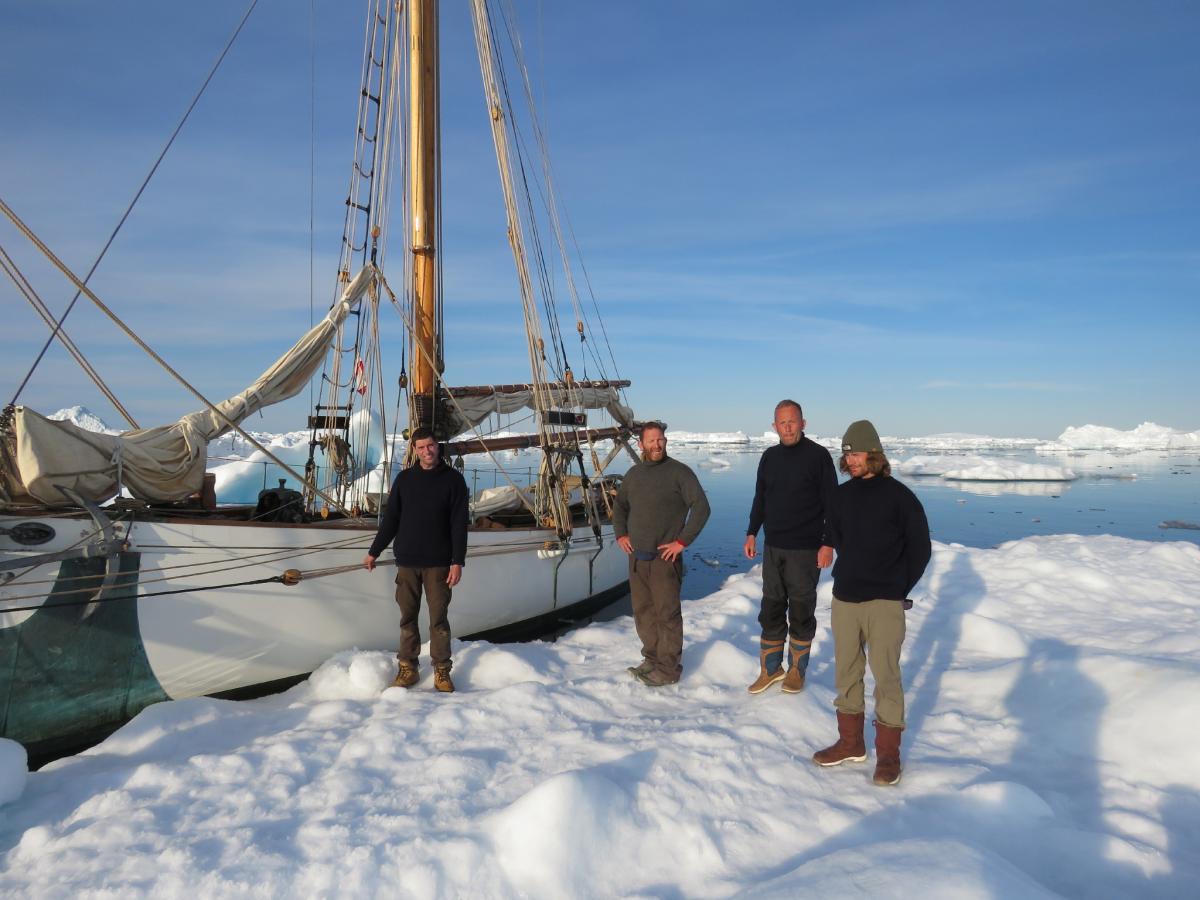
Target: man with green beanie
x=794 y=487
x=879 y=529
x=659 y=510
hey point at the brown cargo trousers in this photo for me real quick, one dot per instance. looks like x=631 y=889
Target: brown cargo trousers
x=878 y=627
x=409 y=583
x=654 y=589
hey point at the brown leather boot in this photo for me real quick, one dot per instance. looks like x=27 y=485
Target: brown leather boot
x=793 y=683
x=887 y=754
x=441 y=680
x=850 y=746
x=770 y=656
x=407 y=676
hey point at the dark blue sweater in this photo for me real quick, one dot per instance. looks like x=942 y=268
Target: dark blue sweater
x=427 y=513
x=794 y=489
x=879 y=529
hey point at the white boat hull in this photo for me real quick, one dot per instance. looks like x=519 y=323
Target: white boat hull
x=203 y=629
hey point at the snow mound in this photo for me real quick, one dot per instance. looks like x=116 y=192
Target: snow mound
x=353 y=675
x=557 y=839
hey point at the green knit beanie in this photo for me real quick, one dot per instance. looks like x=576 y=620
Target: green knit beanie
x=861 y=436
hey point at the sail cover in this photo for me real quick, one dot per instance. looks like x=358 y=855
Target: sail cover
x=467 y=412
x=168 y=462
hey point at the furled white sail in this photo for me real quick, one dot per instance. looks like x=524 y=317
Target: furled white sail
x=467 y=412
x=168 y=462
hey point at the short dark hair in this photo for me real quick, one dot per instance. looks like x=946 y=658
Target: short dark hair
x=782 y=403
x=420 y=433
x=652 y=425
x=877 y=463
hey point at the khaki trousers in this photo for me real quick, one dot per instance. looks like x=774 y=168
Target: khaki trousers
x=409 y=584
x=876 y=626
x=654 y=589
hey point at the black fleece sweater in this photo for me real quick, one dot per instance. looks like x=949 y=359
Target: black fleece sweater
x=879 y=529
x=427 y=514
x=793 y=490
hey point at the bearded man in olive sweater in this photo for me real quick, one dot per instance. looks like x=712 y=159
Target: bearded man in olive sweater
x=660 y=509
x=427 y=514
x=879 y=529
x=794 y=488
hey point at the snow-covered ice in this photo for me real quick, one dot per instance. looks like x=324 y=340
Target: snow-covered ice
x=1050 y=751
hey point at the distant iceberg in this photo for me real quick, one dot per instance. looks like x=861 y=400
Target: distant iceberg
x=84 y=418
x=1147 y=436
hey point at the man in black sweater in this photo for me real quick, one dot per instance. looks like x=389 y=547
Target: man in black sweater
x=793 y=490
x=879 y=529
x=426 y=514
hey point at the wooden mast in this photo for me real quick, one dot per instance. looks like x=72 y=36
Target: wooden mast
x=424 y=203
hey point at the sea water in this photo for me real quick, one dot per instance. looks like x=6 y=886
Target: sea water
x=1125 y=493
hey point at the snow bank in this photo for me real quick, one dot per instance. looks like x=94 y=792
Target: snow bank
x=1048 y=753
x=14 y=769
x=1147 y=436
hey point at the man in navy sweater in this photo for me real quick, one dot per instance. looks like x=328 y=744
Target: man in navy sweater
x=879 y=529
x=793 y=490
x=426 y=514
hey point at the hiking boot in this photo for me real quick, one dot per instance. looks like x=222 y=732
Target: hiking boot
x=793 y=683
x=850 y=746
x=642 y=668
x=441 y=680
x=887 y=754
x=770 y=661
x=654 y=678
x=407 y=676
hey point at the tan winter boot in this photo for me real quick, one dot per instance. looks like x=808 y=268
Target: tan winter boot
x=441 y=679
x=850 y=746
x=407 y=676
x=770 y=656
x=887 y=754
x=793 y=683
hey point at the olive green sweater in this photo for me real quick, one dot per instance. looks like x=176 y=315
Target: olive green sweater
x=658 y=503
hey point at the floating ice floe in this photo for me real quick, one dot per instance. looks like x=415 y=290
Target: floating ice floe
x=1008 y=471
x=979 y=468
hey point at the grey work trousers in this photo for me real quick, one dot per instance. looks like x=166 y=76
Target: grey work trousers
x=878 y=627
x=789 y=602
x=657 y=616
x=409 y=584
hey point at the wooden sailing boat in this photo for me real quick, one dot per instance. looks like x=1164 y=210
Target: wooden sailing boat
x=166 y=593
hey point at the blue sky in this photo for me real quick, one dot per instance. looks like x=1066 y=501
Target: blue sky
x=941 y=216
